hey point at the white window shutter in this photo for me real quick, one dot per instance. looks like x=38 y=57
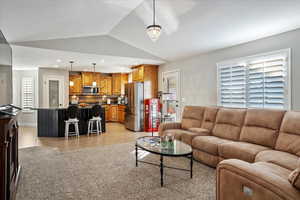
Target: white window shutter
x=266 y=84
x=232 y=86
x=27 y=93
x=262 y=82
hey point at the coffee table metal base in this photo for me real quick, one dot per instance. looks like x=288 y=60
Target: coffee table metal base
x=162 y=166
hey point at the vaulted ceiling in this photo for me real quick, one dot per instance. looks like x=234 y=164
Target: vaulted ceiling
x=112 y=32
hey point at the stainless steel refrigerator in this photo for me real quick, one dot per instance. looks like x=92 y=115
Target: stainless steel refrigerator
x=134 y=100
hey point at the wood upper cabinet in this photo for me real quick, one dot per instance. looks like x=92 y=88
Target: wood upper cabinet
x=77 y=87
x=124 y=80
x=138 y=74
x=105 y=85
x=87 y=78
x=116 y=84
x=149 y=75
x=98 y=80
x=109 y=84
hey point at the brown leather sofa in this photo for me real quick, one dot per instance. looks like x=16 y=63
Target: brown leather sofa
x=254 y=150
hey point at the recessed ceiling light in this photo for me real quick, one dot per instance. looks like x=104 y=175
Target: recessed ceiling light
x=58 y=60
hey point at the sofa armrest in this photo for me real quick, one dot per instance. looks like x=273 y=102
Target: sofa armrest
x=168 y=125
x=237 y=179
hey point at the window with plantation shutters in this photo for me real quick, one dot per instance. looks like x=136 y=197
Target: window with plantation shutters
x=261 y=81
x=233 y=86
x=27 y=93
x=266 y=83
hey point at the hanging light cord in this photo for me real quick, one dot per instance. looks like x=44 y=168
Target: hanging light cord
x=94 y=67
x=94 y=71
x=71 y=62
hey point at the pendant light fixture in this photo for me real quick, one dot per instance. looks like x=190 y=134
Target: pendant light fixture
x=94 y=82
x=71 y=82
x=154 y=30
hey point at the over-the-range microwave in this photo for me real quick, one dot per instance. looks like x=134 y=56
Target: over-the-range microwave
x=90 y=90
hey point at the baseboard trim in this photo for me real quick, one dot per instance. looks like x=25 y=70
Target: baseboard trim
x=28 y=124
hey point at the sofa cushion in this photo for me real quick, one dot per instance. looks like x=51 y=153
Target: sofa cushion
x=188 y=137
x=240 y=150
x=192 y=117
x=280 y=158
x=208 y=144
x=294 y=176
x=228 y=123
x=209 y=118
x=289 y=135
x=206 y=158
x=261 y=126
x=176 y=132
x=201 y=131
x=273 y=168
x=168 y=125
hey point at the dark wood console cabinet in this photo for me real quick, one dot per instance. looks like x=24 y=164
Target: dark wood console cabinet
x=9 y=163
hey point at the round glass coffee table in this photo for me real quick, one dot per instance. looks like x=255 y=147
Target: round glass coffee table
x=152 y=144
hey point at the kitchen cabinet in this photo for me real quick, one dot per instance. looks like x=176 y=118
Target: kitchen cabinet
x=106 y=85
x=116 y=84
x=87 y=78
x=124 y=80
x=77 y=87
x=98 y=80
x=106 y=108
x=113 y=113
x=121 y=113
x=138 y=74
x=148 y=74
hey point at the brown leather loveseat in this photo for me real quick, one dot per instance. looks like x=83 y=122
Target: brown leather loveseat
x=255 y=150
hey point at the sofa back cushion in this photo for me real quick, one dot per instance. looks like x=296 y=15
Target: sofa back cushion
x=262 y=126
x=192 y=117
x=209 y=118
x=289 y=134
x=228 y=123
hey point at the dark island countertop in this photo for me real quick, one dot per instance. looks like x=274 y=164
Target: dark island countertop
x=51 y=121
x=80 y=107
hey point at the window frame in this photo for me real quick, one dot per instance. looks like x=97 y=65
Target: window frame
x=259 y=57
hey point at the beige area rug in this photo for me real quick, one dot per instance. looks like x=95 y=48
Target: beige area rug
x=108 y=173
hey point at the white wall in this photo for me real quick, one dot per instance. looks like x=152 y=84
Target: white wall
x=44 y=72
x=26 y=118
x=199 y=73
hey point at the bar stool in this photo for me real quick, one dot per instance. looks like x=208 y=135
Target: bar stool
x=72 y=114
x=96 y=120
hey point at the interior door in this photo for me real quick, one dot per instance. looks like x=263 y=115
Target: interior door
x=54 y=92
x=171 y=95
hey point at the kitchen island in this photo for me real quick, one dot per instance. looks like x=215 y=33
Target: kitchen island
x=51 y=121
